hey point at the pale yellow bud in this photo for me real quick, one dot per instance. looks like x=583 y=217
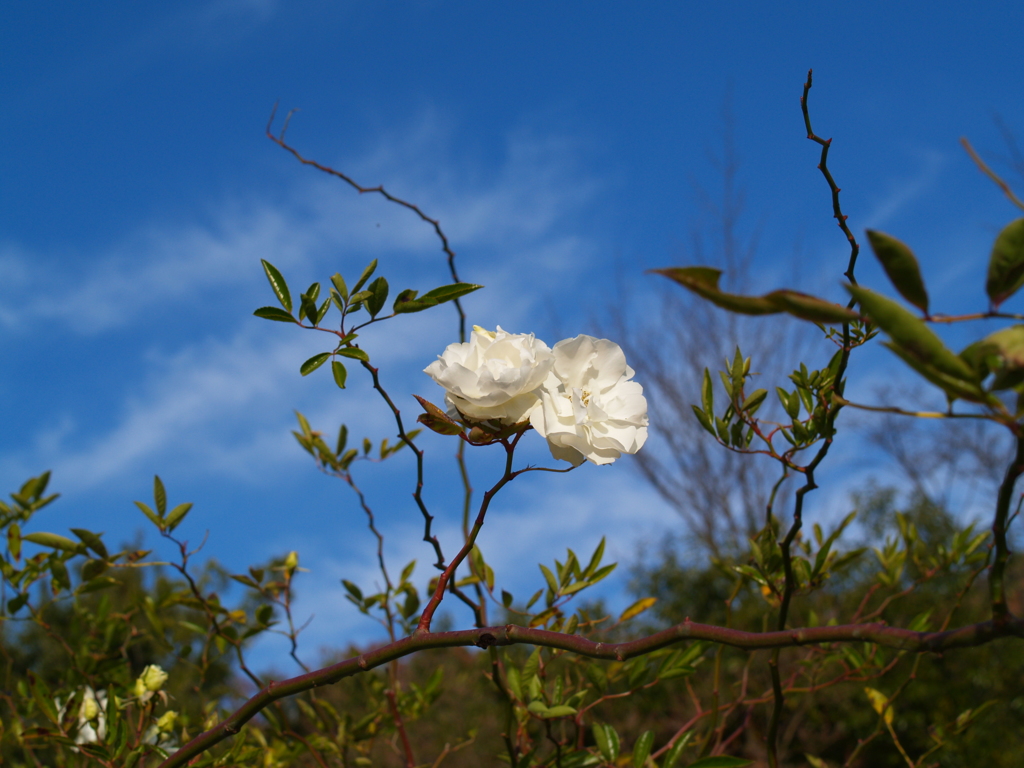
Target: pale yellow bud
x=166 y=721
x=151 y=679
x=90 y=708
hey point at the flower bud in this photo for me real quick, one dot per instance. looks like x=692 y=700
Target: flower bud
x=152 y=679
x=166 y=721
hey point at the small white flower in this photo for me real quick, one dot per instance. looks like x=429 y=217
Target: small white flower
x=589 y=407
x=494 y=375
x=92 y=718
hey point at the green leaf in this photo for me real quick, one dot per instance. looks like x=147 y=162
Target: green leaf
x=159 y=495
x=14 y=540
x=313 y=363
x=406 y=299
x=177 y=514
x=320 y=313
x=642 y=748
x=607 y=741
x=365 y=276
x=340 y=375
x=595 y=559
x=720 y=761
x=550 y=578
x=273 y=313
x=1006 y=264
x=704 y=282
x=91 y=540
x=672 y=756
x=378 y=295
x=901 y=266
x=1001 y=353
x=449 y=292
x=559 y=710
x=278 y=284
x=754 y=400
x=506 y=598
x=339 y=285
x=806 y=307
x=153 y=516
x=707 y=395
x=915 y=339
x=637 y=608
x=54 y=541
x=355 y=353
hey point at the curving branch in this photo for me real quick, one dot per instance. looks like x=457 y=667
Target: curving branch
x=379 y=189
x=487 y=637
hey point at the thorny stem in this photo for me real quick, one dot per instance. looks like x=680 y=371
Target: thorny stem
x=809 y=483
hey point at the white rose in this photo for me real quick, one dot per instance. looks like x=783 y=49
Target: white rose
x=494 y=375
x=589 y=407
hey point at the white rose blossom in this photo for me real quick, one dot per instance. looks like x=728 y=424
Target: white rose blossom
x=495 y=375
x=589 y=408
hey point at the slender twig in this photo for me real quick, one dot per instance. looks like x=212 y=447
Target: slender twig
x=828 y=431
x=1000 y=610
x=379 y=189
x=991 y=174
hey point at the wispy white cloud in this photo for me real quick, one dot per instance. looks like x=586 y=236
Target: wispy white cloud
x=204 y=392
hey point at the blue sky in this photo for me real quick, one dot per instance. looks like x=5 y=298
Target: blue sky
x=560 y=145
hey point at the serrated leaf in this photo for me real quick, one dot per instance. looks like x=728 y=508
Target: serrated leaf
x=367 y=273
x=355 y=353
x=1006 y=264
x=901 y=267
x=340 y=374
x=273 y=313
x=637 y=608
x=54 y=541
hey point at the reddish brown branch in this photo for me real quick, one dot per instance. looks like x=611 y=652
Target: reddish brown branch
x=879 y=633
